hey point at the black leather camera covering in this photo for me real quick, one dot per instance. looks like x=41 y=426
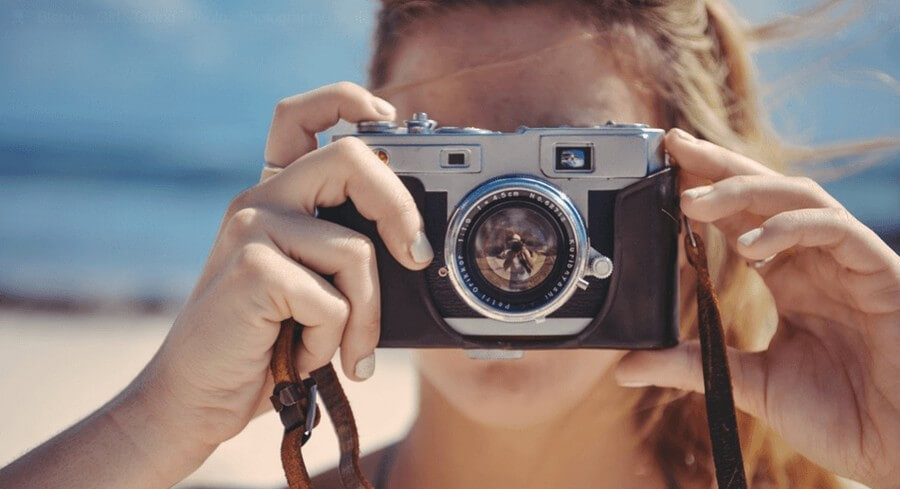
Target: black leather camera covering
x=636 y=308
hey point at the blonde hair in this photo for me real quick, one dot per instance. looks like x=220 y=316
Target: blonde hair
x=699 y=68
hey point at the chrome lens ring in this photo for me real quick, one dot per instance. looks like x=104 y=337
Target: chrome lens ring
x=530 y=192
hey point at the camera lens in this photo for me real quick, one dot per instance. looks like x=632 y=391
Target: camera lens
x=516 y=247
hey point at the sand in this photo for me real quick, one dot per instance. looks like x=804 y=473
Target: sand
x=88 y=358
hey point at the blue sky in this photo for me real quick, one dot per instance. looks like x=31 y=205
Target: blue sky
x=199 y=78
x=202 y=76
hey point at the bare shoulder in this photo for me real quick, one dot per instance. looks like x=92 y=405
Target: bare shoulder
x=369 y=463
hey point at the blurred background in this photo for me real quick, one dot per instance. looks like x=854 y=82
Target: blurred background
x=126 y=127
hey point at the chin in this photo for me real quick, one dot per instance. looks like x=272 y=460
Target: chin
x=537 y=388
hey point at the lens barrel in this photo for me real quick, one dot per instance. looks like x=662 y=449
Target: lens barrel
x=515 y=249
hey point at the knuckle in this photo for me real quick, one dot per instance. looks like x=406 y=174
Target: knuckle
x=342 y=312
x=812 y=188
x=741 y=183
x=712 y=149
x=821 y=195
x=350 y=148
x=361 y=248
x=281 y=108
x=346 y=88
x=242 y=222
x=807 y=183
x=355 y=155
x=239 y=202
x=842 y=216
x=789 y=220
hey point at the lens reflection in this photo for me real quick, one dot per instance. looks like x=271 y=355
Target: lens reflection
x=515 y=248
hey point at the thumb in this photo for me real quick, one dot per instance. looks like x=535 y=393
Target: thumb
x=681 y=368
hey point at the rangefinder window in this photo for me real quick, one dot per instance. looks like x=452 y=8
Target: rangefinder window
x=456 y=159
x=577 y=158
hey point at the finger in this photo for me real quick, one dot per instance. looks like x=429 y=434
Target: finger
x=284 y=288
x=708 y=160
x=762 y=195
x=265 y=405
x=345 y=169
x=681 y=368
x=330 y=249
x=298 y=118
x=849 y=242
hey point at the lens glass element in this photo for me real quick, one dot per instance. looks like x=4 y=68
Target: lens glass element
x=515 y=248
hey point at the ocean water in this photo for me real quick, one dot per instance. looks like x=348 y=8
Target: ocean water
x=107 y=240
x=130 y=238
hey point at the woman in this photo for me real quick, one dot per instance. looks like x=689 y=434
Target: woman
x=825 y=385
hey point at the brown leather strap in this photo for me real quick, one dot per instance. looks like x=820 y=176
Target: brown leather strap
x=295 y=402
x=720 y=416
x=344 y=425
x=285 y=375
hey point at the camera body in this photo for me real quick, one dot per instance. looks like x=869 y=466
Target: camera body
x=544 y=238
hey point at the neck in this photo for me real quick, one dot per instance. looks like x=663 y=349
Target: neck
x=592 y=444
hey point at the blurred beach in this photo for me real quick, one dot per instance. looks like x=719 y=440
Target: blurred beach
x=85 y=359
x=59 y=367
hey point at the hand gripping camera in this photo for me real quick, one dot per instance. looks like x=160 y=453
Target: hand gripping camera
x=547 y=238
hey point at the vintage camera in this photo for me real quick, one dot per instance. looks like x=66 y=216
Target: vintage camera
x=563 y=237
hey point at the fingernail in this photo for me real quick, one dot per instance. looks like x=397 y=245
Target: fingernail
x=634 y=384
x=383 y=107
x=750 y=237
x=683 y=135
x=697 y=192
x=421 y=249
x=365 y=367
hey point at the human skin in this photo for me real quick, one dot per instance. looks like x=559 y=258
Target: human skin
x=552 y=419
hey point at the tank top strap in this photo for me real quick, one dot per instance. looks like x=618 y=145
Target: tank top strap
x=671 y=483
x=384 y=467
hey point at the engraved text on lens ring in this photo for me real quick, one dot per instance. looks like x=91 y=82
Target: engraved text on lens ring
x=547 y=203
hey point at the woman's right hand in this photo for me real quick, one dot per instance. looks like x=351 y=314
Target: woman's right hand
x=267 y=264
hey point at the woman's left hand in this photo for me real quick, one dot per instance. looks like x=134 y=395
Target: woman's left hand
x=829 y=382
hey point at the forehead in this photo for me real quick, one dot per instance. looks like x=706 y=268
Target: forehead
x=526 y=66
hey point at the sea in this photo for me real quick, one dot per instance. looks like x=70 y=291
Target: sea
x=103 y=233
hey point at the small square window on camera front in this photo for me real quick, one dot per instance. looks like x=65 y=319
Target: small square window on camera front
x=573 y=158
x=456 y=159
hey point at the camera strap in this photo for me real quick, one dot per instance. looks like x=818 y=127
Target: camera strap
x=295 y=399
x=720 y=415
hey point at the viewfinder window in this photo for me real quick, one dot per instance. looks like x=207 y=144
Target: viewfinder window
x=574 y=158
x=456 y=159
